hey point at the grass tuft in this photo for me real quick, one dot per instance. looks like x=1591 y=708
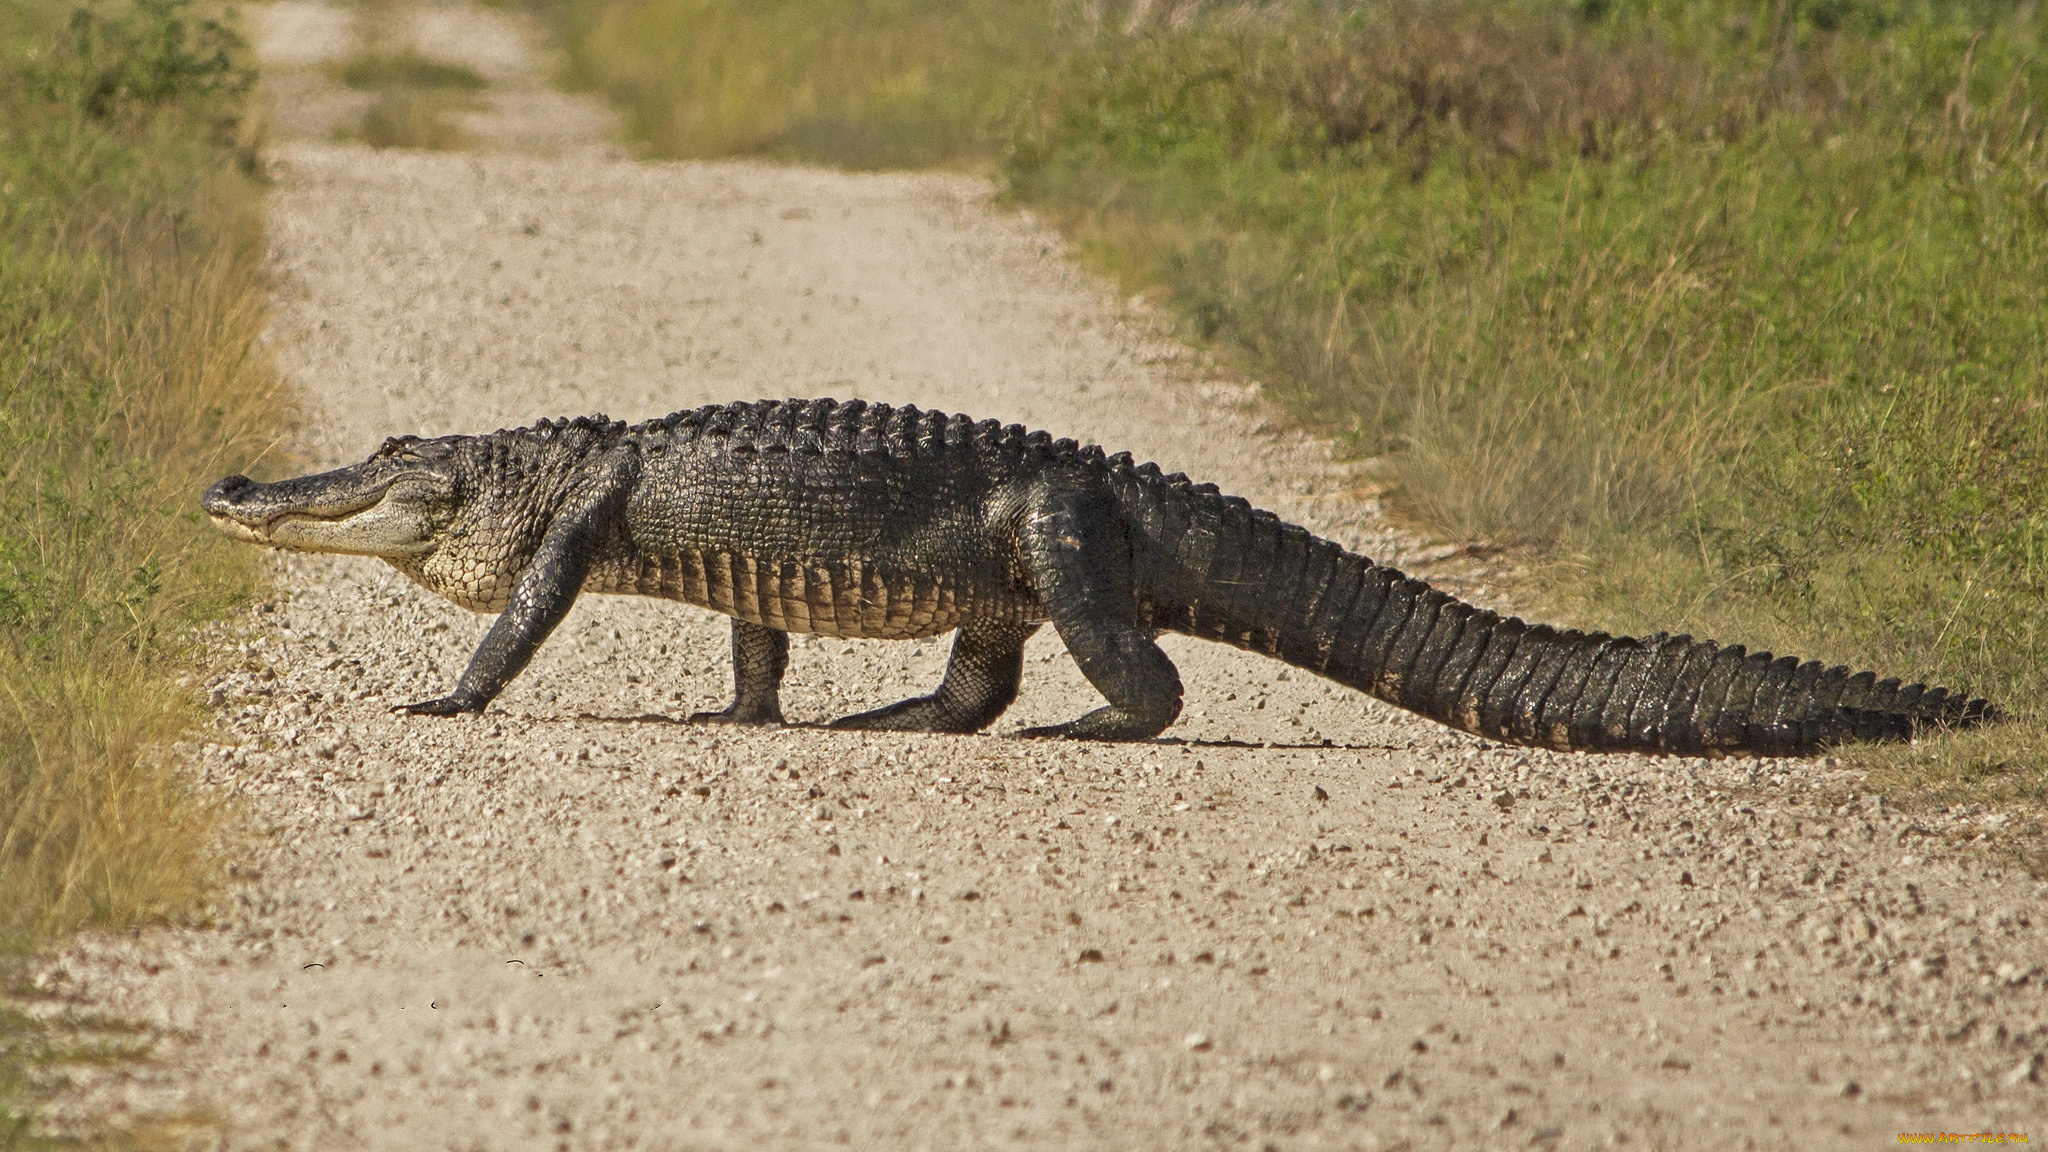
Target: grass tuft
x=132 y=294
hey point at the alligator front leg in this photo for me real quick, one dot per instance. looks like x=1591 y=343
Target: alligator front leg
x=543 y=595
x=1080 y=560
x=981 y=680
x=760 y=655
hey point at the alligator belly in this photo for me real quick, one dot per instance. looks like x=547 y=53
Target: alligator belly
x=850 y=599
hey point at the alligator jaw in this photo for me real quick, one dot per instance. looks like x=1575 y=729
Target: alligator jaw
x=247 y=533
x=342 y=512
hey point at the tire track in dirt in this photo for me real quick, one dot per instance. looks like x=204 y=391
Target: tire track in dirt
x=1307 y=921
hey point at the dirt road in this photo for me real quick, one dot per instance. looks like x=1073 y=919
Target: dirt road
x=1304 y=921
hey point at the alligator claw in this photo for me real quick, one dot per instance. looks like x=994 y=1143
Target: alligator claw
x=442 y=706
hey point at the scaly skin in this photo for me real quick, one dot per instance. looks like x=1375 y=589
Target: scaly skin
x=862 y=520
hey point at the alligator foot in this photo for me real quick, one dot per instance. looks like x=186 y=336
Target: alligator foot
x=1102 y=724
x=733 y=714
x=918 y=714
x=759 y=656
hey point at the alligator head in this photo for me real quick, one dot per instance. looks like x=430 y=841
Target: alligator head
x=397 y=504
x=462 y=515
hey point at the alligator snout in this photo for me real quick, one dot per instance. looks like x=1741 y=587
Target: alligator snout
x=350 y=510
x=219 y=500
x=228 y=504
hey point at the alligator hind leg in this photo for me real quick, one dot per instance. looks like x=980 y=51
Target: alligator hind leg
x=1080 y=560
x=981 y=680
x=760 y=655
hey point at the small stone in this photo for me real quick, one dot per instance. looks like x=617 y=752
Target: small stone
x=2025 y=1072
x=1928 y=967
x=1197 y=1042
x=1504 y=800
x=1091 y=956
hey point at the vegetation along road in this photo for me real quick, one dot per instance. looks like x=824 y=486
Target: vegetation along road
x=1303 y=920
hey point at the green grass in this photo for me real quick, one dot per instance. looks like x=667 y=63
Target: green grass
x=416 y=97
x=1727 y=313
x=859 y=83
x=373 y=72
x=132 y=300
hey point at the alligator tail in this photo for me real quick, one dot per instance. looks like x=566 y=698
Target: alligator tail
x=1275 y=588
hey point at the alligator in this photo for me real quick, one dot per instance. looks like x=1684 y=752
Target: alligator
x=865 y=520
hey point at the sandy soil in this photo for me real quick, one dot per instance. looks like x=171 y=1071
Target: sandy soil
x=1303 y=921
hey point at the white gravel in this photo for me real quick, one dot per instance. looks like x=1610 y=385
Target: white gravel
x=1307 y=921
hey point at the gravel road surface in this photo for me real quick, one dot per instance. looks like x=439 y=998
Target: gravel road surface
x=1303 y=921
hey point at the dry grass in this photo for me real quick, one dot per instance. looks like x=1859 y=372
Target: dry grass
x=134 y=299
x=100 y=826
x=131 y=372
